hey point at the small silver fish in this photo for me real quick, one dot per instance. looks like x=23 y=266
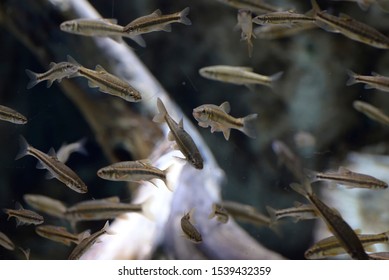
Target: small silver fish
x=156 y=21
x=288 y=158
x=10 y=115
x=108 y=83
x=346 y=236
x=331 y=247
x=57 y=71
x=86 y=243
x=66 y=150
x=238 y=75
x=189 y=229
x=56 y=168
x=6 y=242
x=219 y=212
x=60 y=234
x=298 y=213
x=103 y=27
x=245 y=23
x=346 y=177
x=376 y=81
x=46 y=204
x=132 y=171
x=24 y=216
x=218 y=119
x=287 y=17
x=184 y=141
x=246 y=213
x=372 y=112
x=103 y=209
x=349 y=27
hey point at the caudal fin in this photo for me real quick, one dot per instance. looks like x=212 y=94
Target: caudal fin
x=184 y=16
x=352 y=78
x=23 y=148
x=33 y=78
x=160 y=117
x=249 y=125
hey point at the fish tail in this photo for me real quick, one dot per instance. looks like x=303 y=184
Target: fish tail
x=304 y=189
x=249 y=125
x=311 y=175
x=184 y=16
x=160 y=117
x=352 y=78
x=146 y=209
x=167 y=182
x=24 y=146
x=272 y=214
x=33 y=78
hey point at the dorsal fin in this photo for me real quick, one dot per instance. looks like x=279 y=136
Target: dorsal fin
x=225 y=106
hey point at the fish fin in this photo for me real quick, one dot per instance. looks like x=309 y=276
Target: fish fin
x=376 y=74
x=184 y=16
x=249 y=125
x=327 y=27
x=166 y=28
x=26 y=252
x=181 y=123
x=18 y=206
x=146 y=208
x=160 y=117
x=352 y=78
x=368 y=86
x=345 y=16
x=49 y=175
x=50 y=82
x=72 y=60
x=52 y=153
x=311 y=175
x=33 y=78
x=40 y=165
x=100 y=68
x=139 y=40
x=226 y=133
x=275 y=78
x=225 y=106
x=110 y=20
x=213 y=212
x=117 y=39
x=297 y=204
x=190 y=215
x=93 y=85
x=344 y=170
x=23 y=148
x=203 y=124
x=165 y=180
x=170 y=137
x=156 y=13
x=303 y=189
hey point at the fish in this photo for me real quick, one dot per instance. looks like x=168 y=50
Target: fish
x=57 y=71
x=256 y=6
x=246 y=213
x=56 y=168
x=289 y=159
x=298 y=212
x=330 y=246
x=60 y=234
x=245 y=23
x=177 y=133
x=132 y=171
x=103 y=209
x=108 y=83
x=6 y=242
x=346 y=236
x=376 y=81
x=101 y=27
x=349 y=178
x=288 y=18
x=156 y=21
x=66 y=150
x=10 y=115
x=379 y=256
x=190 y=231
x=219 y=212
x=87 y=242
x=372 y=112
x=277 y=31
x=349 y=27
x=238 y=75
x=24 y=216
x=46 y=204
x=218 y=119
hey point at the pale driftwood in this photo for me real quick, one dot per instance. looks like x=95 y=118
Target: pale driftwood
x=114 y=121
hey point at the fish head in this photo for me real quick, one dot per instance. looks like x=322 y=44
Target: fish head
x=201 y=114
x=104 y=173
x=69 y=26
x=196 y=161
